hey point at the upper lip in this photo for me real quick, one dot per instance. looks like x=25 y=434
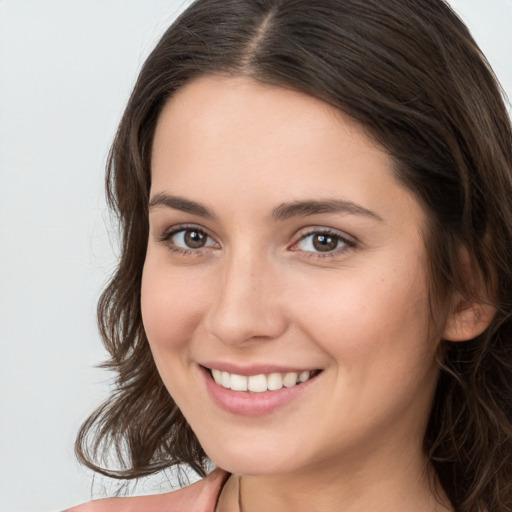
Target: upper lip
x=254 y=369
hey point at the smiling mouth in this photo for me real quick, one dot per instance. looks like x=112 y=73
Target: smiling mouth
x=262 y=382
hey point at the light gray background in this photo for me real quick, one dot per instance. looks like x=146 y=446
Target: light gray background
x=66 y=70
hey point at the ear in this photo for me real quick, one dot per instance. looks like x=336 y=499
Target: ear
x=471 y=310
x=468 y=319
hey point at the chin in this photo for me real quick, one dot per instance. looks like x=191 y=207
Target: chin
x=254 y=459
x=255 y=466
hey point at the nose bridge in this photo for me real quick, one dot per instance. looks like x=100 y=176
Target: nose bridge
x=246 y=304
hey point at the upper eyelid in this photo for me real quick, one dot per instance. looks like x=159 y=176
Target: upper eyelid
x=301 y=232
x=305 y=232
x=350 y=243
x=172 y=230
x=166 y=237
x=299 y=235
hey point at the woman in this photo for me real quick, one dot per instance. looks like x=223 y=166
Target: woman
x=314 y=292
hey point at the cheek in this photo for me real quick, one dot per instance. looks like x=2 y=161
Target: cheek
x=171 y=307
x=369 y=319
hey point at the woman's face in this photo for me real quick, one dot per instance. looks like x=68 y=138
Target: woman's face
x=282 y=248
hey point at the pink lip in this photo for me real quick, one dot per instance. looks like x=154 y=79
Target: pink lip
x=246 y=403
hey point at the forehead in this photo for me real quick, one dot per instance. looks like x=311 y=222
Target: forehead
x=211 y=103
x=232 y=140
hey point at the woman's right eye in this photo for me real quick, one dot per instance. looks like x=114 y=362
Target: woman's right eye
x=188 y=240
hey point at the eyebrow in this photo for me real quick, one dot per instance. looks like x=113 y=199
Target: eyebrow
x=282 y=212
x=180 y=203
x=305 y=208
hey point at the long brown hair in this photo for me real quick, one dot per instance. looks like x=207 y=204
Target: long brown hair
x=411 y=74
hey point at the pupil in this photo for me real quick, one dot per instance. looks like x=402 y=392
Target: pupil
x=325 y=243
x=195 y=239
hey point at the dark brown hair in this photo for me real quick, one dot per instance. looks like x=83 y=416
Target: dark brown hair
x=411 y=74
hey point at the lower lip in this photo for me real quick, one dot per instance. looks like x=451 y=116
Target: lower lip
x=246 y=403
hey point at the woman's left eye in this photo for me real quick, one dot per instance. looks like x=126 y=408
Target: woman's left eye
x=323 y=242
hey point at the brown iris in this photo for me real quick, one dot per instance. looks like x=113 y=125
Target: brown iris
x=195 y=239
x=324 y=242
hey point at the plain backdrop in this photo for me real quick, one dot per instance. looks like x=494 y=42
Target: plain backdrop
x=66 y=70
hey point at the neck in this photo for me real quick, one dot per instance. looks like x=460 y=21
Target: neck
x=400 y=486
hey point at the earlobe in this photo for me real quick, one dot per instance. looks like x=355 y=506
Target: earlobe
x=473 y=310
x=468 y=320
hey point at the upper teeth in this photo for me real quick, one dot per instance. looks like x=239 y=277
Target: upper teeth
x=259 y=383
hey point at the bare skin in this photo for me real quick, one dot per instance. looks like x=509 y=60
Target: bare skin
x=259 y=291
x=239 y=274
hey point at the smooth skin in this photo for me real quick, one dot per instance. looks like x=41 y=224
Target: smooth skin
x=237 y=273
x=260 y=292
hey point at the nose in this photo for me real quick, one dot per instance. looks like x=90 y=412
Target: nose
x=246 y=304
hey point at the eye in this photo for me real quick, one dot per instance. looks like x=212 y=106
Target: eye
x=190 y=239
x=187 y=240
x=323 y=242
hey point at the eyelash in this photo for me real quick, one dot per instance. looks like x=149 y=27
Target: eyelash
x=348 y=243
x=166 y=239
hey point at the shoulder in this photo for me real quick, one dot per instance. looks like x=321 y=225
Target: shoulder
x=200 y=496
